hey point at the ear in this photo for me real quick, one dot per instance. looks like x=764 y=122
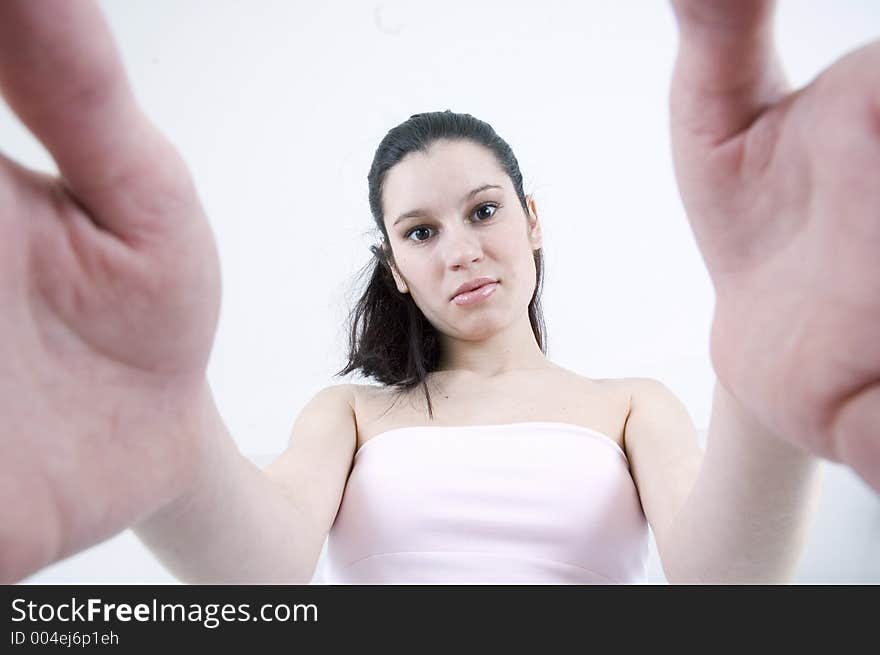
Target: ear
x=535 y=235
x=398 y=279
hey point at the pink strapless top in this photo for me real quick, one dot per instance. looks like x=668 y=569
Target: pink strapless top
x=518 y=503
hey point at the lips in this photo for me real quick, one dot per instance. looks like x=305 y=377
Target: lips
x=473 y=284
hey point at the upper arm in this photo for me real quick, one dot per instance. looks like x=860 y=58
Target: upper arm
x=314 y=468
x=664 y=453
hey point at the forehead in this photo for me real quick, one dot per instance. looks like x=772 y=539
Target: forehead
x=439 y=177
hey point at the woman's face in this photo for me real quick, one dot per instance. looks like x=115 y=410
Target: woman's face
x=443 y=235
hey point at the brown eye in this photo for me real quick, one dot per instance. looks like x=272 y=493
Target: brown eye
x=417 y=230
x=480 y=214
x=486 y=205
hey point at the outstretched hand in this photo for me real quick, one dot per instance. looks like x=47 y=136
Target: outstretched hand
x=782 y=191
x=110 y=289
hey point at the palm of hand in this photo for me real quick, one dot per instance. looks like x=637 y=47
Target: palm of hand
x=787 y=216
x=104 y=347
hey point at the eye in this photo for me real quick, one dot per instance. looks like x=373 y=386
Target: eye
x=416 y=230
x=486 y=205
x=426 y=231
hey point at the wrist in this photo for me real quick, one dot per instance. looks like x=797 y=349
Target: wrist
x=731 y=420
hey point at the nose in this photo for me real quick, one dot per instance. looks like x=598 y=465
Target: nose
x=463 y=248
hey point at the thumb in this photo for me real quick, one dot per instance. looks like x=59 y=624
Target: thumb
x=727 y=71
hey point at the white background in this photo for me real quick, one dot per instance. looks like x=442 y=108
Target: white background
x=278 y=108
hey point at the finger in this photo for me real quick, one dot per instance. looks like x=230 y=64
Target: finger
x=61 y=74
x=727 y=71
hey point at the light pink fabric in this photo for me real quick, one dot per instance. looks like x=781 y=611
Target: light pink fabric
x=517 y=503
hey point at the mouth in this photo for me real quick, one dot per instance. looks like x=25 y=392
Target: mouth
x=475 y=291
x=472 y=285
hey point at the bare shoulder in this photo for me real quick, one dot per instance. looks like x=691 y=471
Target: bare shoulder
x=363 y=394
x=332 y=404
x=613 y=386
x=633 y=385
x=371 y=400
x=656 y=409
x=342 y=391
x=628 y=392
x=645 y=388
x=338 y=395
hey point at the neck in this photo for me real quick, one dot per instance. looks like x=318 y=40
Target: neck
x=510 y=349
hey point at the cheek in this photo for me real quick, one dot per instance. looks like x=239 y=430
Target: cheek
x=517 y=255
x=418 y=275
x=525 y=273
x=410 y=268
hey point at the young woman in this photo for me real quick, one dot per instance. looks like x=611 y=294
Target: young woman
x=477 y=459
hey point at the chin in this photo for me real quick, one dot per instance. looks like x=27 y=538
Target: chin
x=479 y=326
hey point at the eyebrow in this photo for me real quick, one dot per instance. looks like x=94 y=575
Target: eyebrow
x=421 y=212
